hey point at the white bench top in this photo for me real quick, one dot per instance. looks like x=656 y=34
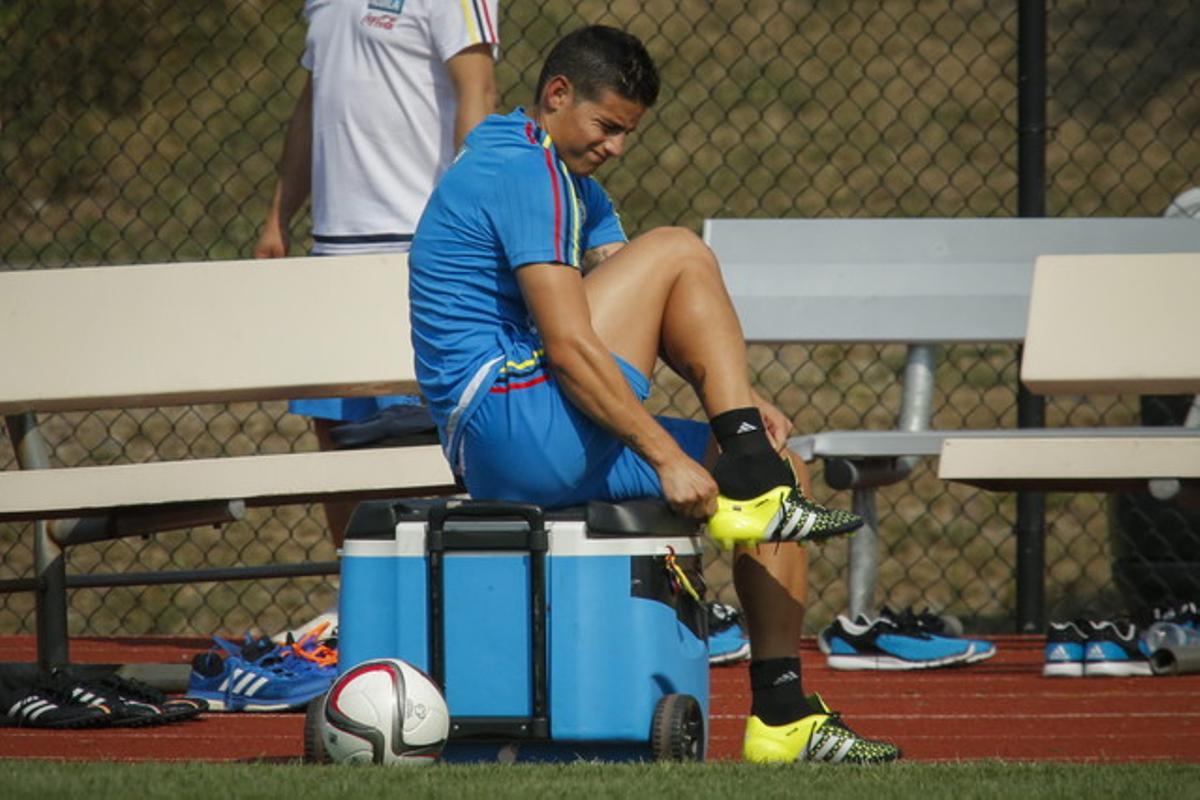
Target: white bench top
x=893 y=444
x=1055 y=460
x=908 y=280
x=258 y=480
x=1114 y=323
x=167 y=334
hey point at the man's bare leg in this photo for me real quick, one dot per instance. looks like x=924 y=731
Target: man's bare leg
x=664 y=289
x=772 y=586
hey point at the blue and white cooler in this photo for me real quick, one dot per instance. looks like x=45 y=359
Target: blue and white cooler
x=556 y=635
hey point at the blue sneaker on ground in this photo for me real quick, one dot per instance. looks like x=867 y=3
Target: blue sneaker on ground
x=934 y=626
x=1063 y=654
x=881 y=644
x=1114 y=649
x=269 y=684
x=727 y=642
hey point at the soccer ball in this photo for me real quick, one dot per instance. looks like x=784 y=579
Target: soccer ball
x=384 y=711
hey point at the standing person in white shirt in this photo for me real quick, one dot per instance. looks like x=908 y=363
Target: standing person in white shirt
x=394 y=87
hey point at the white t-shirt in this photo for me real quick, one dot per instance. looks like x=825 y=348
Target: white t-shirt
x=383 y=112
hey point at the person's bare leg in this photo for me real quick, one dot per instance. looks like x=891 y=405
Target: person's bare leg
x=664 y=290
x=771 y=581
x=337 y=512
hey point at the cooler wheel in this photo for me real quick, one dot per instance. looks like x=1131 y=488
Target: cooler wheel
x=677 y=731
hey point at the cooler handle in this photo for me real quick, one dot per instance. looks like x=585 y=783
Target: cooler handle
x=534 y=540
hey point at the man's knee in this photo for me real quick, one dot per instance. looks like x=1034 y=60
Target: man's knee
x=681 y=245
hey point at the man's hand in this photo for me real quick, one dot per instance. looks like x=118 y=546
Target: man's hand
x=779 y=427
x=273 y=243
x=295 y=179
x=689 y=488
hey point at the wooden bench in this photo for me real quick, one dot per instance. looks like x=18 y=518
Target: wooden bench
x=1098 y=324
x=178 y=334
x=917 y=282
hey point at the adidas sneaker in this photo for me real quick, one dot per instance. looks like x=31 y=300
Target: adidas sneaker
x=782 y=514
x=43 y=705
x=863 y=643
x=234 y=684
x=935 y=627
x=821 y=737
x=1063 y=654
x=1115 y=649
x=124 y=709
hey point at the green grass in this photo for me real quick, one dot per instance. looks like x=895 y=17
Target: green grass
x=27 y=779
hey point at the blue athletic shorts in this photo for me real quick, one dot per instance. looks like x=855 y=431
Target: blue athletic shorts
x=533 y=445
x=349 y=409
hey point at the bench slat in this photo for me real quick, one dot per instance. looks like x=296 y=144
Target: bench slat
x=908 y=280
x=1051 y=458
x=1114 y=323
x=258 y=480
x=168 y=334
x=896 y=444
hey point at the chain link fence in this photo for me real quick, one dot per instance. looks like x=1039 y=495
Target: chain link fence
x=149 y=132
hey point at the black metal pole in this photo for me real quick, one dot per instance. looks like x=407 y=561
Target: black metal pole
x=1031 y=202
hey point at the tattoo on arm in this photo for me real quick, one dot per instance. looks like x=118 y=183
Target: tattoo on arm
x=593 y=257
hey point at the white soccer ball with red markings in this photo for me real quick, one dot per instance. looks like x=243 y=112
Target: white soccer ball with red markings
x=384 y=711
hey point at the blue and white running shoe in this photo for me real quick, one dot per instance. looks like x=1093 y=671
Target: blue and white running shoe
x=934 y=626
x=1063 y=654
x=234 y=684
x=882 y=644
x=727 y=642
x=1115 y=649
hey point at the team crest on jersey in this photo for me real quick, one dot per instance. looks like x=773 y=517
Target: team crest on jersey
x=386 y=6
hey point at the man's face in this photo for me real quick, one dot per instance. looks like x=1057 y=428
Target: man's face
x=587 y=133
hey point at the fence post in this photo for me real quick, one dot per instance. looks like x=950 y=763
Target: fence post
x=1031 y=202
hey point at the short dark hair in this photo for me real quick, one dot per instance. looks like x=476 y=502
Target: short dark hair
x=598 y=57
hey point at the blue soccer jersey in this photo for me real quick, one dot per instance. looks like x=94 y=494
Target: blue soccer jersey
x=507 y=201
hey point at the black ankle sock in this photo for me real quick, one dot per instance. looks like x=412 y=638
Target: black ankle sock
x=747 y=465
x=741 y=432
x=777 y=691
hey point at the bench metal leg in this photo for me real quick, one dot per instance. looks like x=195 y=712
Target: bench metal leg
x=49 y=561
x=51 y=565
x=916 y=410
x=864 y=555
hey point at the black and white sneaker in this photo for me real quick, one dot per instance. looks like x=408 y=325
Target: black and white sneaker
x=1115 y=649
x=105 y=692
x=174 y=709
x=44 y=706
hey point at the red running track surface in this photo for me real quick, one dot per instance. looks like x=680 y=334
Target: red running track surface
x=1002 y=708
